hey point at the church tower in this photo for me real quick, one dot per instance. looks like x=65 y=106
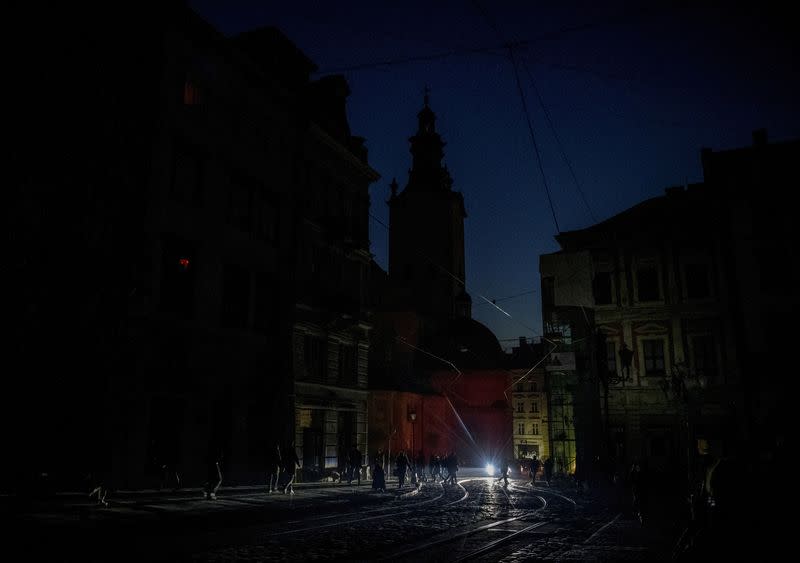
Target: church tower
x=426 y=235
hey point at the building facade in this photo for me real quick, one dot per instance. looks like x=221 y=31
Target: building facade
x=158 y=256
x=674 y=295
x=529 y=401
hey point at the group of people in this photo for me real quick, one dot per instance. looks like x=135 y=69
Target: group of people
x=418 y=470
x=546 y=467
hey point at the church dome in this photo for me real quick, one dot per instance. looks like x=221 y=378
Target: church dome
x=469 y=344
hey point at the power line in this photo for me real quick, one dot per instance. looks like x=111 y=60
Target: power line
x=558 y=141
x=509 y=297
x=463 y=283
x=533 y=136
x=488 y=50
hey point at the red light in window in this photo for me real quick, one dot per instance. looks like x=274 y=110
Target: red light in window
x=183 y=263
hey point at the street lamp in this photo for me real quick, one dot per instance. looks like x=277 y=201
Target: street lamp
x=685 y=388
x=412 y=416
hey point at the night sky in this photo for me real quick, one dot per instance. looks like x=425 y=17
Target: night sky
x=632 y=96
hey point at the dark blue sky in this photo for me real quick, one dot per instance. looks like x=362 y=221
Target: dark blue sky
x=633 y=97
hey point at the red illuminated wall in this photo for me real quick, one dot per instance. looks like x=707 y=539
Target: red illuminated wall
x=478 y=397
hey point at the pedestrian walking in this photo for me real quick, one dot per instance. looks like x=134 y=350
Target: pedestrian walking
x=290 y=462
x=548 y=470
x=504 y=473
x=273 y=467
x=535 y=465
x=355 y=459
x=378 y=477
x=213 y=473
x=402 y=467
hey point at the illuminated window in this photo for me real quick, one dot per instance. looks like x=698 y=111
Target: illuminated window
x=191 y=93
x=177 y=278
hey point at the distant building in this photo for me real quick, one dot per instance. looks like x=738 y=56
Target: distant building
x=425 y=341
x=529 y=400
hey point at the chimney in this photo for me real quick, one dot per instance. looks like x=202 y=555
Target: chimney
x=759 y=137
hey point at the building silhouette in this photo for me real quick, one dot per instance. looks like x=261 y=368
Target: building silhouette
x=430 y=358
x=172 y=261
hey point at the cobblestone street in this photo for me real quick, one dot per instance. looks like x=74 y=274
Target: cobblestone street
x=476 y=519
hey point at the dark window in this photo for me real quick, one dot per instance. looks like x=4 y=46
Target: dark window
x=535 y=429
x=704 y=355
x=178 y=278
x=611 y=357
x=535 y=407
x=520 y=407
x=188 y=167
x=520 y=428
x=240 y=204
x=653 y=357
x=347 y=364
x=266 y=227
x=647 y=278
x=315 y=358
x=548 y=291
x=697 y=281
x=266 y=319
x=235 y=297
x=602 y=288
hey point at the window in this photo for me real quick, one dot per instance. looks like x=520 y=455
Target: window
x=266 y=223
x=235 y=297
x=535 y=428
x=534 y=387
x=704 y=355
x=520 y=428
x=535 y=406
x=611 y=355
x=347 y=364
x=188 y=167
x=602 y=289
x=178 y=278
x=265 y=317
x=697 y=281
x=314 y=358
x=653 y=357
x=520 y=407
x=647 y=283
x=548 y=291
x=191 y=93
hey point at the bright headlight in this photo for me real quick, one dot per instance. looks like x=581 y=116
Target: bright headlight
x=489 y=469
